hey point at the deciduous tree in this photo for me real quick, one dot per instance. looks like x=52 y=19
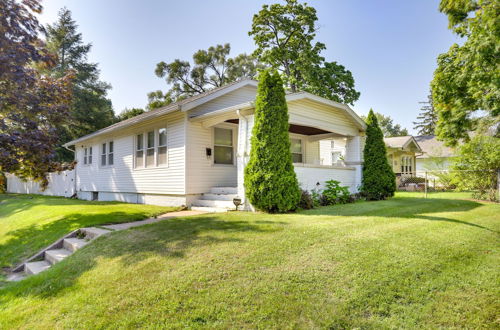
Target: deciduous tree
x=270 y=181
x=129 y=113
x=32 y=105
x=386 y=124
x=284 y=35
x=466 y=83
x=212 y=68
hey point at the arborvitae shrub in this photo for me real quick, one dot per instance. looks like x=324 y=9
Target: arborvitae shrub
x=270 y=181
x=379 y=181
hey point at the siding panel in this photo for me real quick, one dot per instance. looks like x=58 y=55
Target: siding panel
x=122 y=177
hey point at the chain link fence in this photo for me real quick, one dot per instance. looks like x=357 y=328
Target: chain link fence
x=474 y=184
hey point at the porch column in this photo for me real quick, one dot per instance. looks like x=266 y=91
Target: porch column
x=243 y=154
x=354 y=157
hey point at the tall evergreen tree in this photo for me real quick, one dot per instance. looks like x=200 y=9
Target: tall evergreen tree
x=90 y=109
x=270 y=181
x=427 y=119
x=379 y=181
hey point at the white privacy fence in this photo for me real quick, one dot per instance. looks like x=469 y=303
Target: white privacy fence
x=310 y=175
x=60 y=184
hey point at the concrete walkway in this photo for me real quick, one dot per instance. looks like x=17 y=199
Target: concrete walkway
x=170 y=215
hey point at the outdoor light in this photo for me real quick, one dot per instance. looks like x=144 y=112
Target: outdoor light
x=237 y=202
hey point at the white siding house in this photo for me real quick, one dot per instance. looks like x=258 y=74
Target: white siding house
x=194 y=152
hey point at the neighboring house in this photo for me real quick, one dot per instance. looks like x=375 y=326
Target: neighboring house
x=193 y=152
x=435 y=156
x=401 y=154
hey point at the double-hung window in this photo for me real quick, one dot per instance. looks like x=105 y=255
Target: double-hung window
x=162 y=146
x=150 y=151
x=107 y=153
x=87 y=156
x=103 y=154
x=296 y=148
x=151 y=148
x=223 y=146
x=139 y=151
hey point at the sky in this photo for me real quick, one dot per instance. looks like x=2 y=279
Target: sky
x=389 y=46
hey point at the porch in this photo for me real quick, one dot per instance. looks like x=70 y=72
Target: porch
x=325 y=143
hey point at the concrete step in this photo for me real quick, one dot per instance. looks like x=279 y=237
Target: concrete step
x=73 y=244
x=93 y=232
x=15 y=277
x=209 y=209
x=224 y=190
x=54 y=256
x=32 y=268
x=219 y=197
x=214 y=203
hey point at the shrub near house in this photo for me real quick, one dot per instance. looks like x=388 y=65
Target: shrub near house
x=379 y=181
x=270 y=180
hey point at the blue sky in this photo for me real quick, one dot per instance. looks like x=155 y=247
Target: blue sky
x=390 y=46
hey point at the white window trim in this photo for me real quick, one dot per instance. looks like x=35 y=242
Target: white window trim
x=144 y=133
x=87 y=154
x=107 y=153
x=234 y=142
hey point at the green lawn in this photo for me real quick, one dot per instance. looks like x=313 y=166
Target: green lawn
x=401 y=263
x=31 y=222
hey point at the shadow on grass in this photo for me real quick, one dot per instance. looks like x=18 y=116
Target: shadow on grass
x=404 y=207
x=26 y=241
x=170 y=238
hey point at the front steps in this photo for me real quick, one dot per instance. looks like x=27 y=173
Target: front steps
x=219 y=199
x=55 y=253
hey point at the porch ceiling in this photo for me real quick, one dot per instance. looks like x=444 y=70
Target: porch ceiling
x=299 y=129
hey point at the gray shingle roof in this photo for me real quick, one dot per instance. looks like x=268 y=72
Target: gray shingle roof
x=154 y=113
x=432 y=147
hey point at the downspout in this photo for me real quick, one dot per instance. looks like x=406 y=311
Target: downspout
x=74 y=158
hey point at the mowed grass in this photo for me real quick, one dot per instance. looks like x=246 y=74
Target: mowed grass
x=401 y=263
x=31 y=222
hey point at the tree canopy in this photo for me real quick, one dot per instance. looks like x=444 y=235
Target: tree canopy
x=129 y=113
x=466 y=83
x=90 y=108
x=284 y=35
x=32 y=105
x=212 y=68
x=427 y=118
x=386 y=124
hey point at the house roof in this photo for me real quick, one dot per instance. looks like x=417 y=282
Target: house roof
x=432 y=147
x=199 y=99
x=182 y=105
x=400 y=142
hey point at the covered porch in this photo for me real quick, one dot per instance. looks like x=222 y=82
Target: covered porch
x=325 y=143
